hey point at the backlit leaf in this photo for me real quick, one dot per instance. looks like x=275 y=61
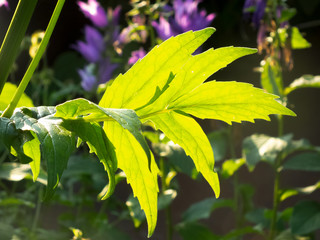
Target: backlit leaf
x=134 y=162
x=7 y=94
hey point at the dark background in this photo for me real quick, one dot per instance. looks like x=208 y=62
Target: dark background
x=231 y=30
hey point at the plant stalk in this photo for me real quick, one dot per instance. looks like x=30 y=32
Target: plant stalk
x=164 y=187
x=11 y=44
x=35 y=61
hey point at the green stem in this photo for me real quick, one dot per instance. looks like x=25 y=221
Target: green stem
x=276 y=201
x=35 y=61
x=37 y=213
x=11 y=44
x=164 y=187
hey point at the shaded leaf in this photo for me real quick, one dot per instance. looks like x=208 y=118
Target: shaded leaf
x=204 y=208
x=219 y=143
x=56 y=142
x=192 y=230
x=94 y=135
x=306 y=81
x=305 y=217
x=305 y=161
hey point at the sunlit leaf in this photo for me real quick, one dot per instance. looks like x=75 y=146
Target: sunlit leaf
x=229 y=167
x=134 y=162
x=7 y=94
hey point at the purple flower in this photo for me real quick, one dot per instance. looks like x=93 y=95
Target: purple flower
x=136 y=55
x=88 y=79
x=4 y=3
x=261 y=36
x=254 y=9
x=94 y=74
x=187 y=17
x=94 y=45
x=94 y=11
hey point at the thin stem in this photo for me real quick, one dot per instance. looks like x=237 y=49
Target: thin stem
x=35 y=61
x=168 y=212
x=11 y=44
x=37 y=213
x=276 y=201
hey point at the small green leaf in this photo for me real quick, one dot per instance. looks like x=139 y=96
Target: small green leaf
x=186 y=132
x=305 y=218
x=192 y=231
x=305 y=190
x=306 y=81
x=305 y=161
x=287 y=14
x=229 y=167
x=296 y=39
x=92 y=112
x=56 y=143
x=7 y=94
x=204 y=208
x=219 y=143
x=259 y=147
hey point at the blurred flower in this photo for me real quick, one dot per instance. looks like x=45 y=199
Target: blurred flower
x=36 y=39
x=261 y=37
x=136 y=55
x=134 y=32
x=187 y=17
x=94 y=45
x=4 y=3
x=88 y=78
x=106 y=69
x=94 y=11
x=254 y=9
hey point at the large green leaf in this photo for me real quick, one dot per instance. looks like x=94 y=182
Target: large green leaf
x=167 y=85
x=306 y=81
x=134 y=162
x=56 y=143
x=7 y=94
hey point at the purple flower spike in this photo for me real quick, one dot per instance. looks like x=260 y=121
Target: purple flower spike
x=4 y=3
x=94 y=11
x=88 y=79
x=187 y=17
x=92 y=49
x=136 y=55
x=254 y=9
